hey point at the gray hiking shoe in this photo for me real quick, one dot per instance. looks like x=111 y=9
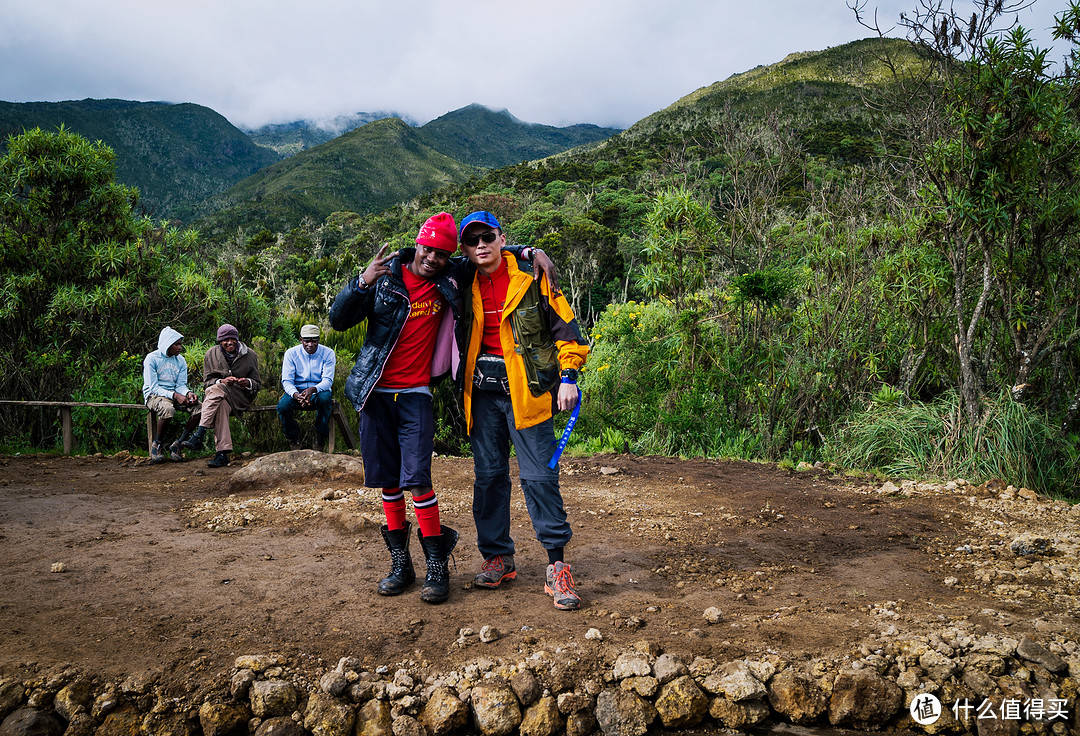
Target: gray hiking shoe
x=560 y=586
x=494 y=571
x=157 y=452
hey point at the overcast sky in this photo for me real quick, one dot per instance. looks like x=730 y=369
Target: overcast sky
x=608 y=62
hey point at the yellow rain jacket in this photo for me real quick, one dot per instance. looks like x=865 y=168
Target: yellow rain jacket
x=529 y=410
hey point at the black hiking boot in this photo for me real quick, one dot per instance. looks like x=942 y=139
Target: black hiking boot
x=175 y=449
x=195 y=441
x=402 y=574
x=219 y=460
x=437 y=550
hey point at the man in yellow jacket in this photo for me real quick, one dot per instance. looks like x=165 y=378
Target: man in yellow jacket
x=521 y=349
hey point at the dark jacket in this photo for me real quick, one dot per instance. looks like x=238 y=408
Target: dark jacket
x=385 y=305
x=245 y=365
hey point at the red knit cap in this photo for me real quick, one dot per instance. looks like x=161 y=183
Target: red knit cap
x=439 y=232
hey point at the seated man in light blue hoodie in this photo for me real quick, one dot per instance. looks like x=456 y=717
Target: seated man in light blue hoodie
x=165 y=391
x=307 y=373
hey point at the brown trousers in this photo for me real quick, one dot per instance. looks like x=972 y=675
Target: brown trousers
x=215 y=413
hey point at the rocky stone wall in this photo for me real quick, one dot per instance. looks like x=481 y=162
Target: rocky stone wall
x=984 y=684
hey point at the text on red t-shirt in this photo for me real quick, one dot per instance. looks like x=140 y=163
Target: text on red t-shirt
x=409 y=364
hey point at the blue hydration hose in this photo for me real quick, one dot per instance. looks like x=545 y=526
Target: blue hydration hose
x=566 y=433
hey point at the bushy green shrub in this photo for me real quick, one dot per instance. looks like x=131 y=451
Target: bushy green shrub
x=627 y=377
x=1012 y=442
x=105 y=430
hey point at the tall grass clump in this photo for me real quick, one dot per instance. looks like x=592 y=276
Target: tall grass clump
x=1012 y=442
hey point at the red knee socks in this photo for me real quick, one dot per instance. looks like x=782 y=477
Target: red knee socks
x=427 y=514
x=393 y=503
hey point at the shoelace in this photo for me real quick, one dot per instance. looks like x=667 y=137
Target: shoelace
x=495 y=563
x=399 y=559
x=561 y=581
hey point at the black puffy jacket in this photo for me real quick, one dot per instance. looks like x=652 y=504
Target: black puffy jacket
x=385 y=306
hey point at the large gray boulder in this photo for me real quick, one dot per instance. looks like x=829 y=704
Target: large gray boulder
x=735 y=681
x=796 y=696
x=863 y=698
x=1034 y=652
x=282 y=468
x=31 y=722
x=496 y=711
x=623 y=713
x=667 y=667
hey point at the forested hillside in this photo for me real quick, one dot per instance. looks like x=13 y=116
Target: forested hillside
x=859 y=255
x=365 y=170
x=177 y=155
x=383 y=163
x=489 y=139
x=181 y=157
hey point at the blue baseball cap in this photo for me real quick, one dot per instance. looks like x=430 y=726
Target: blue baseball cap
x=484 y=218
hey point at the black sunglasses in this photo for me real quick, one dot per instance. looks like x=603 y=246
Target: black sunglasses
x=473 y=239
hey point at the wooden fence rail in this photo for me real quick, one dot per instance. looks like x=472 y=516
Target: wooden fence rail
x=338 y=419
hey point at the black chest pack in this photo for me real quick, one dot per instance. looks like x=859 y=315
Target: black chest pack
x=490 y=374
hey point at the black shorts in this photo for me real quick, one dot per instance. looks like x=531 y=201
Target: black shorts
x=397 y=437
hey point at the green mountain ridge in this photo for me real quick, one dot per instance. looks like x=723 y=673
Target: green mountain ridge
x=364 y=170
x=487 y=138
x=184 y=158
x=384 y=163
x=177 y=155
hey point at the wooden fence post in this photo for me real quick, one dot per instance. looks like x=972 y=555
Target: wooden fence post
x=65 y=426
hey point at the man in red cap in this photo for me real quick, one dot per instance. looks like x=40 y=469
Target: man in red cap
x=410 y=300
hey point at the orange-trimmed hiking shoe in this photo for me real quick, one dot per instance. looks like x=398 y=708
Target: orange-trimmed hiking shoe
x=560 y=586
x=494 y=571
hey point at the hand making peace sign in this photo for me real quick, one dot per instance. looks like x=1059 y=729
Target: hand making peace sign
x=377 y=267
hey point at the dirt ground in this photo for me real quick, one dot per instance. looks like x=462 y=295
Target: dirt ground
x=173 y=571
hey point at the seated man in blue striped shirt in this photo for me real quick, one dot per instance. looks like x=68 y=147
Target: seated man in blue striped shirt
x=307 y=373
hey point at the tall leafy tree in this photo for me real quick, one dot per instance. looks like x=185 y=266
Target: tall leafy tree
x=1000 y=158
x=680 y=232
x=83 y=277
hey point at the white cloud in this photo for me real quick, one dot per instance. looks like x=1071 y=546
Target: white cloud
x=609 y=62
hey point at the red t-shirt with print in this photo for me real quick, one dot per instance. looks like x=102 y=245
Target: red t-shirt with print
x=409 y=364
x=493 y=290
